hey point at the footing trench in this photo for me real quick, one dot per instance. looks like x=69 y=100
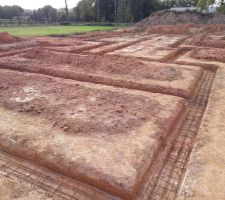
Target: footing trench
x=164 y=184
x=166 y=181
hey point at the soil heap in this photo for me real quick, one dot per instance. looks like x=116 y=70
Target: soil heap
x=5 y=37
x=189 y=22
x=168 y=17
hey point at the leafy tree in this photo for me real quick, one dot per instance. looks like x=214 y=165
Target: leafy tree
x=204 y=4
x=47 y=13
x=77 y=14
x=143 y=8
x=187 y=3
x=221 y=7
x=178 y=3
x=117 y=10
x=86 y=9
x=1 y=12
x=9 y=12
x=62 y=16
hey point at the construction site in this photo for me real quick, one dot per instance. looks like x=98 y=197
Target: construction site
x=134 y=114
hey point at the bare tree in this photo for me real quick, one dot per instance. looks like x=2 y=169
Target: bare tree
x=97 y=4
x=66 y=7
x=115 y=10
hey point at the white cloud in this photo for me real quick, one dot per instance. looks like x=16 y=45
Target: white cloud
x=34 y=4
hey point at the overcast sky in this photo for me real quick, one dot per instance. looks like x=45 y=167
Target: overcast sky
x=34 y=4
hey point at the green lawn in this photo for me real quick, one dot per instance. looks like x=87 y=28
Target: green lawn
x=52 y=30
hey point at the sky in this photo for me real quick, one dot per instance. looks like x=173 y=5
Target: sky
x=34 y=4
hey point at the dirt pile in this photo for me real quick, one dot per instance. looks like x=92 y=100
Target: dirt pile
x=5 y=37
x=167 y=17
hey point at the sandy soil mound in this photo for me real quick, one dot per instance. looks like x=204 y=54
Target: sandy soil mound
x=167 y=17
x=5 y=37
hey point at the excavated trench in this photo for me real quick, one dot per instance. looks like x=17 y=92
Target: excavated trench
x=99 y=105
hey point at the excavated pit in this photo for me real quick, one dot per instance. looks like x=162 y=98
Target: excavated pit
x=110 y=70
x=114 y=115
x=155 y=48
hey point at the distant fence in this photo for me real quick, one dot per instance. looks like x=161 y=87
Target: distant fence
x=184 y=9
x=15 y=22
x=20 y=22
x=28 y=22
x=210 y=9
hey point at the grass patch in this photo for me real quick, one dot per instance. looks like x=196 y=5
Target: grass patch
x=53 y=30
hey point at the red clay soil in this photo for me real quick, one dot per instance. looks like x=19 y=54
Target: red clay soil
x=93 y=36
x=110 y=70
x=101 y=135
x=5 y=37
x=211 y=43
x=67 y=45
x=215 y=29
x=209 y=54
x=75 y=48
x=60 y=42
x=185 y=29
x=171 y=29
x=67 y=96
x=204 y=41
x=109 y=64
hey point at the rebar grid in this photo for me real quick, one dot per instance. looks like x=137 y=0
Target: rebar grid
x=54 y=184
x=165 y=183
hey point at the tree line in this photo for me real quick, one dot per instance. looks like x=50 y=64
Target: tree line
x=102 y=10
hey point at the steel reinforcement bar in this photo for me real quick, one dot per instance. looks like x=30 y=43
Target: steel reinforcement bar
x=165 y=183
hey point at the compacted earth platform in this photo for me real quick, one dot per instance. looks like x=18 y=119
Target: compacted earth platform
x=82 y=130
